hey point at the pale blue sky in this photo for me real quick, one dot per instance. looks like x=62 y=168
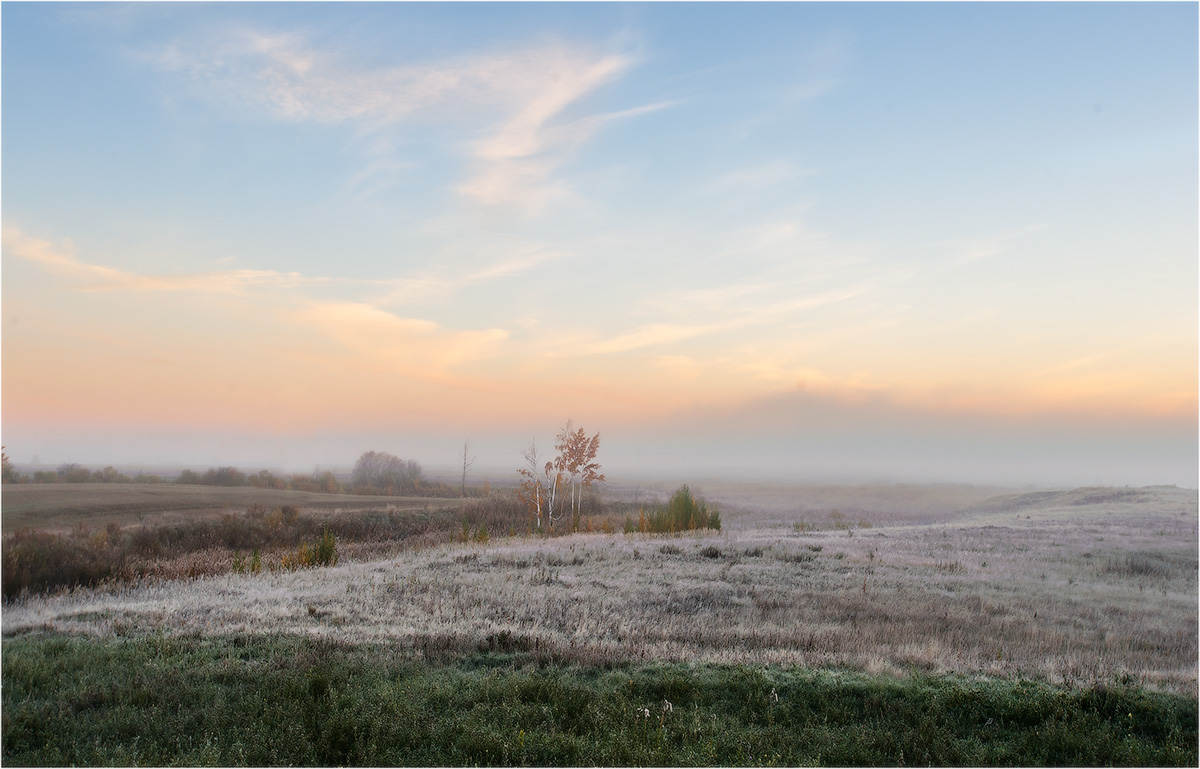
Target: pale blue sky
x=322 y=224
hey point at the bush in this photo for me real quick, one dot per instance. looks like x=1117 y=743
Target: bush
x=322 y=553
x=73 y=473
x=36 y=560
x=683 y=512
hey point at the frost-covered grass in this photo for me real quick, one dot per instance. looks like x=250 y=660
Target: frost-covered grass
x=929 y=625
x=1075 y=588
x=268 y=700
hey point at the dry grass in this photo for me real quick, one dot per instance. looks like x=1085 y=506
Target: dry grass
x=1075 y=587
x=63 y=506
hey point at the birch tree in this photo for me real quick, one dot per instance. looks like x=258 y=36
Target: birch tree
x=553 y=480
x=530 y=491
x=572 y=470
x=577 y=459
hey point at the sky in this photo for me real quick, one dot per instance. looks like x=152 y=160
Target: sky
x=902 y=242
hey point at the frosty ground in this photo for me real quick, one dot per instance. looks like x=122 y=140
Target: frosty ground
x=1071 y=587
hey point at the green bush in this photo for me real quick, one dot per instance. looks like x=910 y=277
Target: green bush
x=683 y=512
x=326 y=552
x=322 y=553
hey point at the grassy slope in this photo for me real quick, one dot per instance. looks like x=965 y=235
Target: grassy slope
x=61 y=506
x=1059 y=592
x=269 y=700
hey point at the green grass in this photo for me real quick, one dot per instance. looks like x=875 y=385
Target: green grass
x=271 y=700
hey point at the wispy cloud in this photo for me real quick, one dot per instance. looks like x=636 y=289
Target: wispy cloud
x=515 y=265
x=650 y=336
x=755 y=178
x=455 y=272
x=412 y=346
x=511 y=100
x=283 y=307
x=748 y=315
x=282 y=75
x=61 y=260
x=514 y=166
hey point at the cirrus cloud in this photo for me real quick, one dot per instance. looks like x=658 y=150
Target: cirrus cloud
x=511 y=101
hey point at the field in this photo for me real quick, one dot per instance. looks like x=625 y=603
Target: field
x=1085 y=593
x=62 y=506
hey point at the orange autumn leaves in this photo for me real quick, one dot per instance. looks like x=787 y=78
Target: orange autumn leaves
x=570 y=472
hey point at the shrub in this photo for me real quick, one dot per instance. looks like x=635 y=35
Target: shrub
x=37 y=560
x=189 y=477
x=683 y=512
x=224 y=476
x=326 y=550
x=73 y=473
x=110 y=475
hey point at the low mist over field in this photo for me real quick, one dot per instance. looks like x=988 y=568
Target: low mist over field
x=776 y=442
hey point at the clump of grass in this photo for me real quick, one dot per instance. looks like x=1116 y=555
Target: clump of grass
x=321 y=553
x=242 y=566
x=1138 y=564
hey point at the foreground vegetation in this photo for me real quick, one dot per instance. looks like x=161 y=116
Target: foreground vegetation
x=36 y=560
x=40 y=561
x=860 y=626
x=279 y=699
x=1075 y=589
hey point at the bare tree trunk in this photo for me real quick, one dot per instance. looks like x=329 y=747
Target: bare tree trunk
x=530 y=475
x=467 y=461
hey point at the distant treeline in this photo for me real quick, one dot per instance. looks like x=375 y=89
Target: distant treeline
x=376 y=473
x=325 y=483
x=73 y=473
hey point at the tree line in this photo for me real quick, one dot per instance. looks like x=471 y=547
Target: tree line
x=375 y=473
